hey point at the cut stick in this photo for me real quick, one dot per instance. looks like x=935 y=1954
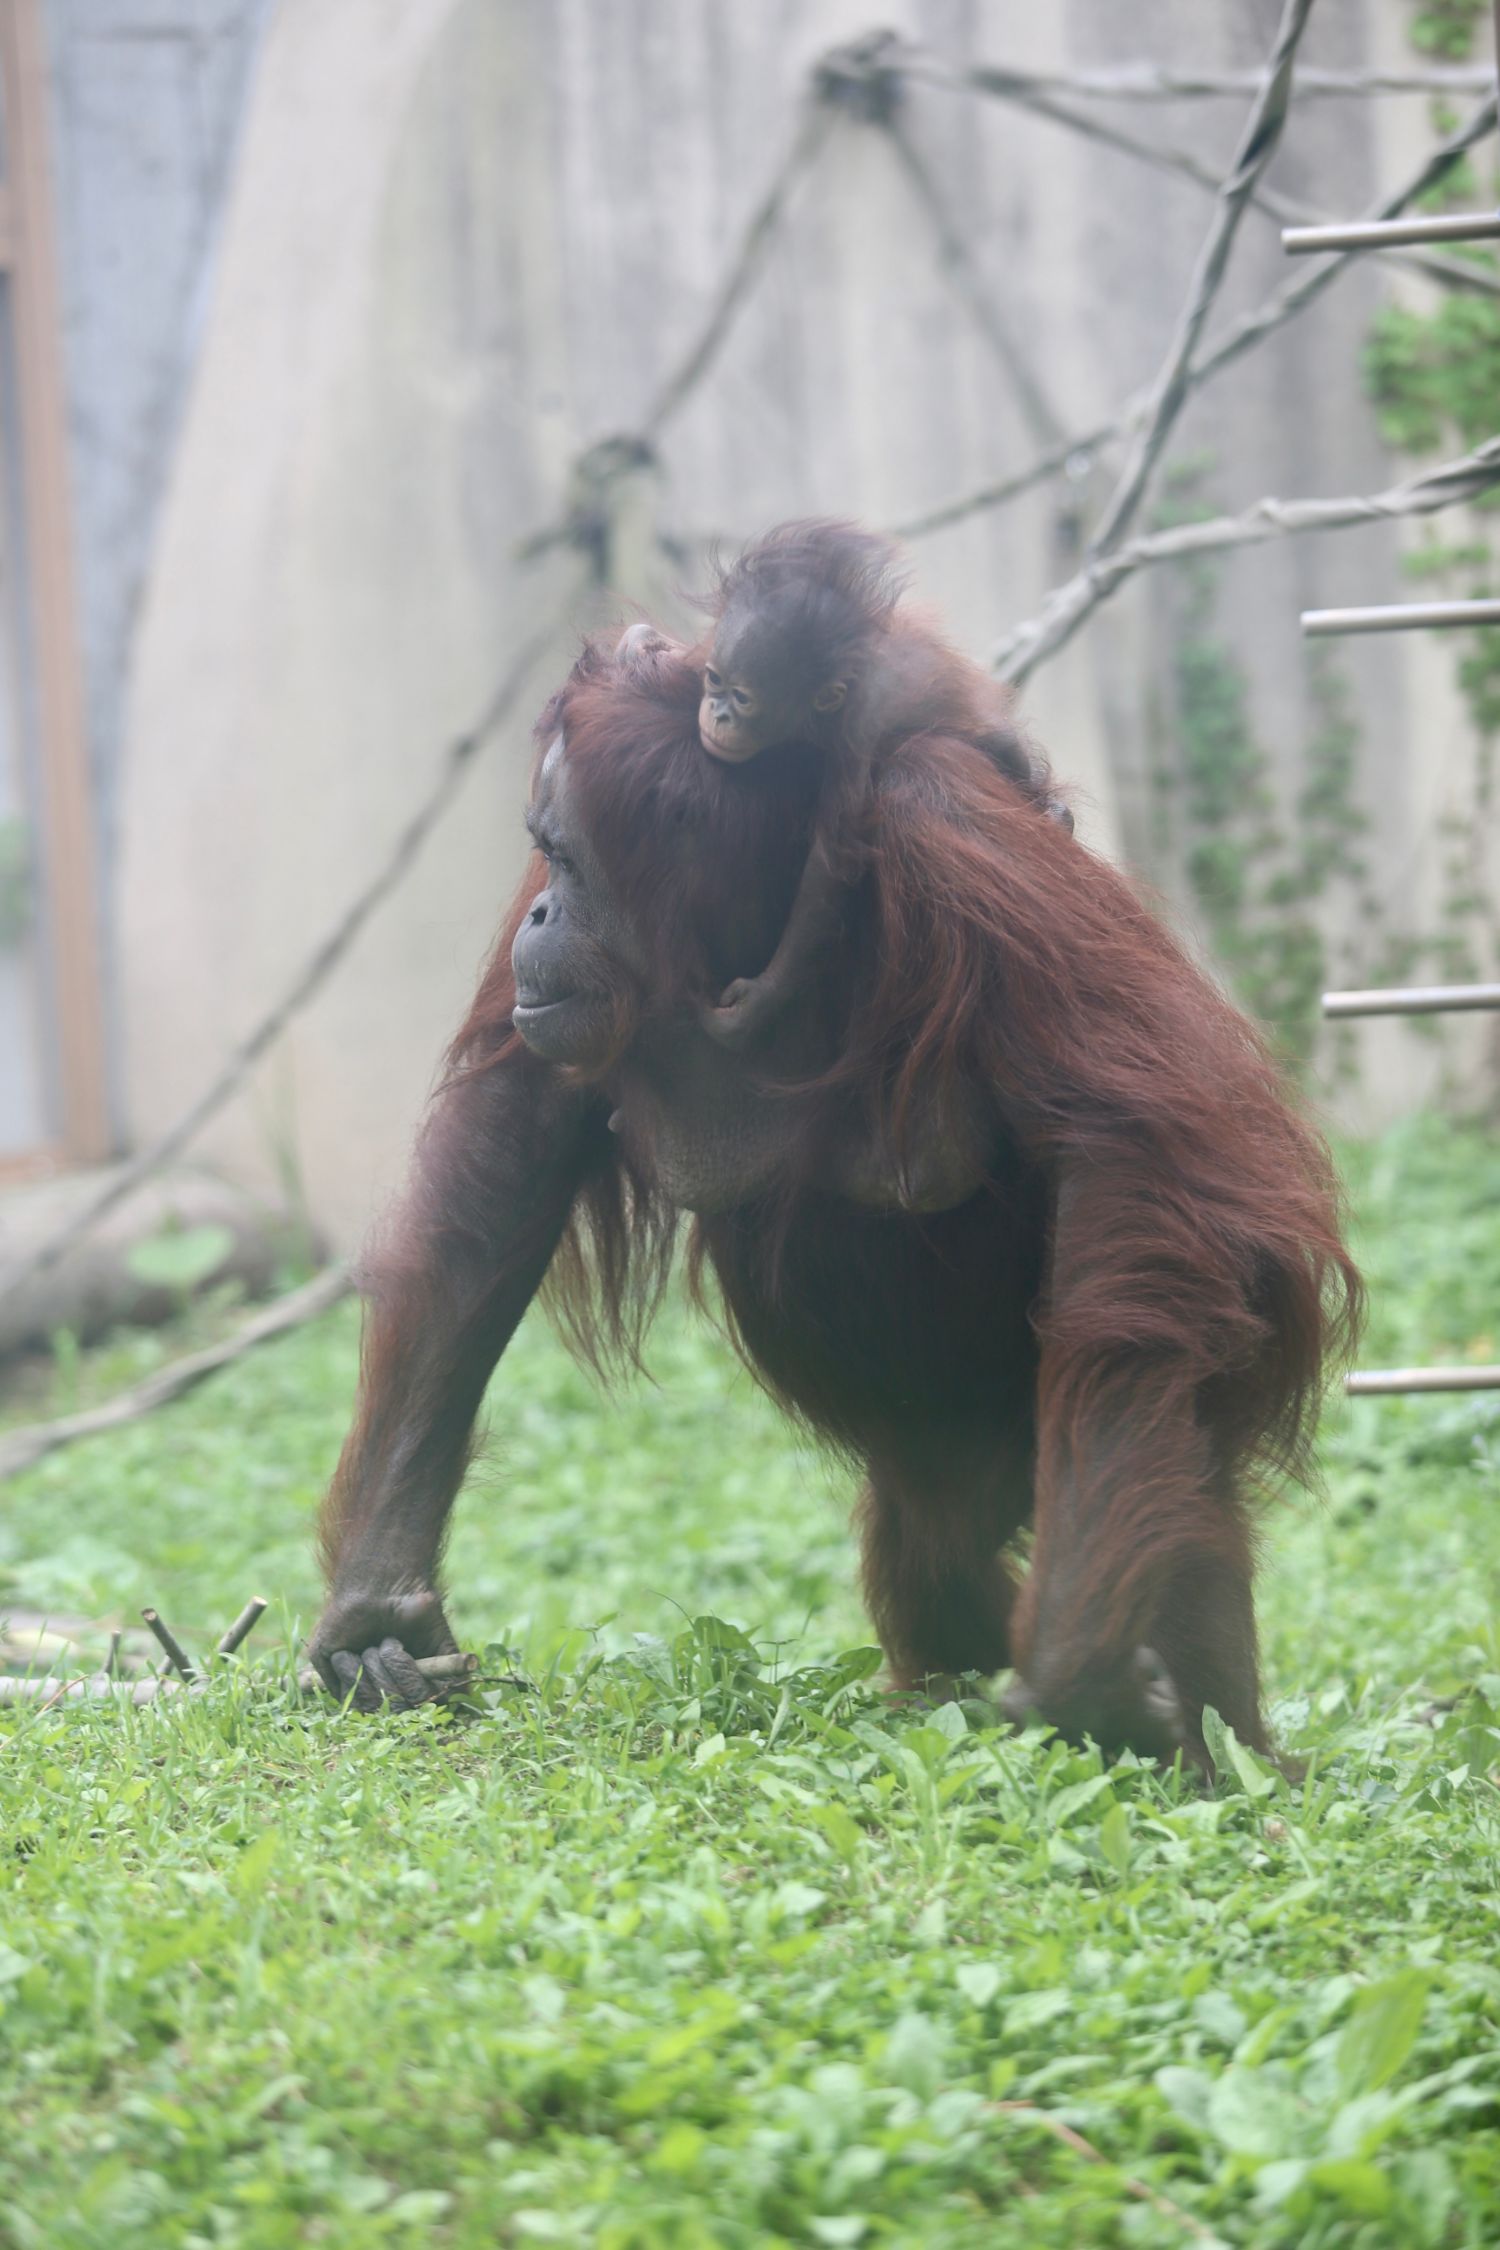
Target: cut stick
x=244 y=1625
x=176 y=1654
x=101 y=1687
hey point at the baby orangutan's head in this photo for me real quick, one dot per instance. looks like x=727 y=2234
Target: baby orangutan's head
x=797 y=618
x=764 y=684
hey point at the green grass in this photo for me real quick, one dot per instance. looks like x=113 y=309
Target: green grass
x=707 y=1944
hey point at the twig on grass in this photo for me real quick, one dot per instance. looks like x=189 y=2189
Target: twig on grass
x=1073 y=2139
x=243 y=1626
x=22 y=1448
x=101 y=1687
x=176 y=1654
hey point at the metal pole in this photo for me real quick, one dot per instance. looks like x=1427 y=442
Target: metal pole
x=1399 y=617
x=1415 y=1000
x=1394 y=234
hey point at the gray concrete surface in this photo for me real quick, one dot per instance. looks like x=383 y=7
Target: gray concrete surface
x=456 y=253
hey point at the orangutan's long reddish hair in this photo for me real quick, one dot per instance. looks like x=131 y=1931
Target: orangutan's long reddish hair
x=989 y=947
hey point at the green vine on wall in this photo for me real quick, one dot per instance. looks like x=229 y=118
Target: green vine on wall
x=1255 y=885
x=15 y=881
x=1262 y=877
x=1433 y=376
x=1446 y=28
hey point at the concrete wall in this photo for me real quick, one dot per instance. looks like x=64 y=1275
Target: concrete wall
x=145 y=102
x=458 y=252
x=146 y=97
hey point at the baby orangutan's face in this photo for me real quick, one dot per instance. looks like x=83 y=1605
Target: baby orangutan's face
x=749 y=704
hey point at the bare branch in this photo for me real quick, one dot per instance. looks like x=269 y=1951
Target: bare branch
x=1180 y=163
x=812 y=131
x=1033 y=2114
x=176 y=1654
x=94 y=1687
x=21 y=1449
x=600 y=466
x=1258 y=143
x=1053 y=627
x=244 y=1625
x=958 y=263
x=308 y=981
x=1251 y=327
x=1145 y=82
x=1240 y=337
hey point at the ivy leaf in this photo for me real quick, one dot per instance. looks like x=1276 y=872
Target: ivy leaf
x=1381 y=2032
x=1114 y=1838
x=180 y=1258
x=1255 y=2113
x=1255 y=1775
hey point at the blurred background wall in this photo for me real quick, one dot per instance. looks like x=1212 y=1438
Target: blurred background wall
x=350 y=287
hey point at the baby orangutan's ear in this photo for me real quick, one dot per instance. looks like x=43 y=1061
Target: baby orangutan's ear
x=830 y=695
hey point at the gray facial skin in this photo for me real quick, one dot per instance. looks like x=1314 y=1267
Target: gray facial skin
x=752 y=699
x=709 y=1127
x=565 y=951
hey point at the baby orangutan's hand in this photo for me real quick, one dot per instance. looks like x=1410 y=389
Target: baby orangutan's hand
x=743 y=1008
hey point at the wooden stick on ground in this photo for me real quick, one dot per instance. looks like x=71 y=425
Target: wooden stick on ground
x=244 y=1625
x=176 y=1654
x=22 y=1448
x=100 y=1687
x=449 y=1670
x=1074 y=2140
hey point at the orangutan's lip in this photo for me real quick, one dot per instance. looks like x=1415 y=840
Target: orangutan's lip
x=532 y=1011
x=726 y=757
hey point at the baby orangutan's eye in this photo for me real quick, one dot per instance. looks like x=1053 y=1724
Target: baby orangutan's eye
x=711 y=678
x=742 y=701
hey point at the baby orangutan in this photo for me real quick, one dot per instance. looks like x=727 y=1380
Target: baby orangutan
x=813 y=647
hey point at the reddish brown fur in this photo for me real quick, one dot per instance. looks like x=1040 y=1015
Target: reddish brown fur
x=842 y=611
x=1121 y=1339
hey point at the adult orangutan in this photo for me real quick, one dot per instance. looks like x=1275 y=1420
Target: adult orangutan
x=1106 y=1316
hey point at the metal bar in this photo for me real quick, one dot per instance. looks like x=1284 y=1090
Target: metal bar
x=1394 y=234
x=1412 y=1000
x=1399 y=617
x=1417 y=999
x=1387 y=1381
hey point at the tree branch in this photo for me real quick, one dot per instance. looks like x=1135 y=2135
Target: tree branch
x=741 y=272
x=1241 y=336
x=1030 y=644
x=1146 y=82
x=308 y=981
x=1286 y=210
x=1258 y=143
x=23 y=1448
x=1032 y=2113
x=958 y=263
